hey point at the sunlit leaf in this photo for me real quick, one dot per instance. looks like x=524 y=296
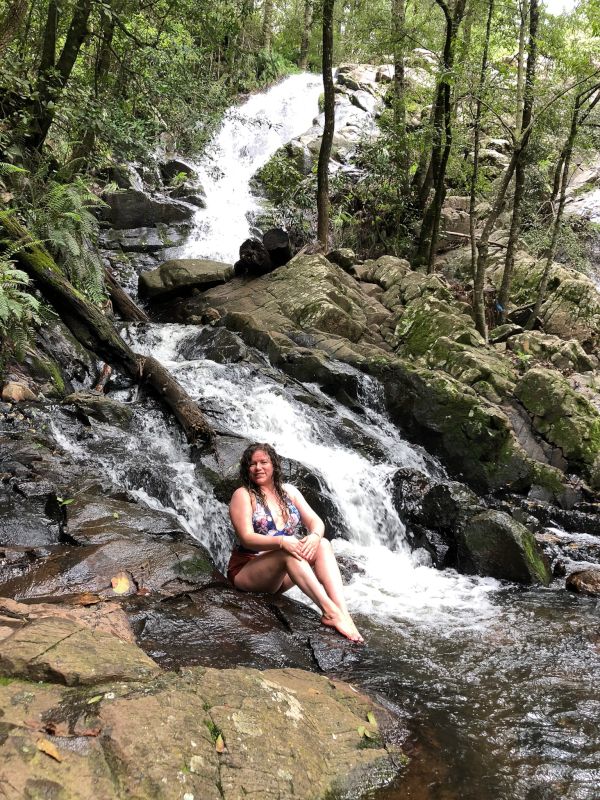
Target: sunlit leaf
x=371 y=719
x=120 y=583
x=220 y=744
x=47 y=747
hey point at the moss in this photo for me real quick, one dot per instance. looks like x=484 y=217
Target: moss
x=200 y=565
x=537 y=564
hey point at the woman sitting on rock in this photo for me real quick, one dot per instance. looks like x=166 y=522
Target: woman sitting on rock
x=271 y=556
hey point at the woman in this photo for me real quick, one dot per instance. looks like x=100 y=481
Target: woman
x=266 y=515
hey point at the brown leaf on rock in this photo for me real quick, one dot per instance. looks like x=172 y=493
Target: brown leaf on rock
x=47 y=747
x=219 y=744
x=86 y=599
x=120 y=583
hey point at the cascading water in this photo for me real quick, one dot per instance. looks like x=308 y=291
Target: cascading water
x=247 y=139
x=503 y=681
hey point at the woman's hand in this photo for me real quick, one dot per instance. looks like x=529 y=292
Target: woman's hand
x=308 y=547
x=291 y=546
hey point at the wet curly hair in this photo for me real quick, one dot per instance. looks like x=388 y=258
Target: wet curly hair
x=247 y=482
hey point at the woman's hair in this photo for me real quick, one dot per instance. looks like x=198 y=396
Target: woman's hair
x=247 y=482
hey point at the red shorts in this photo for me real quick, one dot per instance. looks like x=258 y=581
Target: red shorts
x=236 y=562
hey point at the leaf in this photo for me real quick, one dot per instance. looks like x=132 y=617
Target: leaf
x=95 y=699
x=371 y=719
x=120 y=583
x=361 y=730
x=220 y=744
x=47 y=747
x=369 y=734
x=86 y=599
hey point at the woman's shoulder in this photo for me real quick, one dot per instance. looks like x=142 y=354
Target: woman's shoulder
x=292 y=491
x=241 y=495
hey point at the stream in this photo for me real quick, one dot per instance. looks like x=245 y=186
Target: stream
x=500 y=684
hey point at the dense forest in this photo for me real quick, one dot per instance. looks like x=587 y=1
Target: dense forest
x=89 y=85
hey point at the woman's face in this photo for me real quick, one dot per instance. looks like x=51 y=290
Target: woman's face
x=261 y=468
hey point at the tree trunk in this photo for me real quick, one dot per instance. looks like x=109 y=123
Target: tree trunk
x=528 y=99
x=267 y=25
x=328 y=128
x=97 y=333
x=50 y=86
x=477 y=138
x=399 y=101
x=441 y=138
x=10 y=22
x=306 y=31
x=524 y=14
x=577 y=118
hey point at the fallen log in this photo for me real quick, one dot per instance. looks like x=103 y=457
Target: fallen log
x=127 y=308
x=96 y=332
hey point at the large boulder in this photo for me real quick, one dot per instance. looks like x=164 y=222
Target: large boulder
x=564 y=418
x=133 y=208
x=568 y=355
x=183 y=275
x=493 y=543
x=204 y=733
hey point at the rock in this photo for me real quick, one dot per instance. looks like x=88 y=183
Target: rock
x=495 y=544
x=264 y=720
x=343 y=257
x=564 y=355
x=365 y=101
x=59 y=650
x=173 y=167
x=132 y=208
x=216 y=344
x=503 y=332
x=425 y=320
x=564 y=418
x=183 y=274
x=144 y=240
x=385 y=73
x=14 y=392
x=33 y=521
x=100 y=407
x=487 y=372
x=585 y=581
x=97 y=616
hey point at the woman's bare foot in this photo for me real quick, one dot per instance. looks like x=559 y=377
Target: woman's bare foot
x=343 y=624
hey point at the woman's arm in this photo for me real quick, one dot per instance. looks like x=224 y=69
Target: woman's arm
x=311 y=521
x=240 y=512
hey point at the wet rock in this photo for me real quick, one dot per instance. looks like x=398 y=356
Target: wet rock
x=101 y=407
x=149 y=242
x=494 y=544
x=132 y=208
x=173 y=167
x=184 y=274
x=216 y=344
x=586 y=581
x=61 y=651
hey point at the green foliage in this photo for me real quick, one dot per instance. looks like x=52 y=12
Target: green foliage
x=19 y=310
x=61 y=216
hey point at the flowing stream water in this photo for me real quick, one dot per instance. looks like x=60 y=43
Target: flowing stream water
x=501 y=684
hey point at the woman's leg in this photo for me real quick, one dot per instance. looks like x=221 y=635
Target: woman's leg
x=266 y=573
x=328 y=572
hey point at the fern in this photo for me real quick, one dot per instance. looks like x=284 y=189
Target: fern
x=19 y=310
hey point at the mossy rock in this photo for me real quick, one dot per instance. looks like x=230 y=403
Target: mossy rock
x=562 y=416
x=499 y=546
x=428 y=318
x=485 y=370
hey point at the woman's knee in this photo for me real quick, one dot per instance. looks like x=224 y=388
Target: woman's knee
x=325 y=546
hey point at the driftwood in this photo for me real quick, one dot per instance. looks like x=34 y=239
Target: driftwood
x=103 y=378
x=123 y=303
x=96 y=332
x=277 y=245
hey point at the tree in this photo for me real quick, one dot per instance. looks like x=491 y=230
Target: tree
x=441 y=137
x=328 y=127
x=306 y=31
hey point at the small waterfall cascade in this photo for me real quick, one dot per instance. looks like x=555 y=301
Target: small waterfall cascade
x=248 y=137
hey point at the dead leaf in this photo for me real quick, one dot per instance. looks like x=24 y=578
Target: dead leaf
x=144 y=591
x=47 y=747
x=86 y=599
x=120 y=583
x=95 y=699
x=219 y=744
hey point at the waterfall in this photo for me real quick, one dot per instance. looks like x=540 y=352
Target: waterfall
x=248 y=137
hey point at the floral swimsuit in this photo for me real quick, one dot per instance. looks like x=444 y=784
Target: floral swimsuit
x=263 y=522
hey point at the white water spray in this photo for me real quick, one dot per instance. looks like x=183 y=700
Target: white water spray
x=248 y=137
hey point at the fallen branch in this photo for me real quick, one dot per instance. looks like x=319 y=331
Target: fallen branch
x=127 y=308
x=97 y=333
